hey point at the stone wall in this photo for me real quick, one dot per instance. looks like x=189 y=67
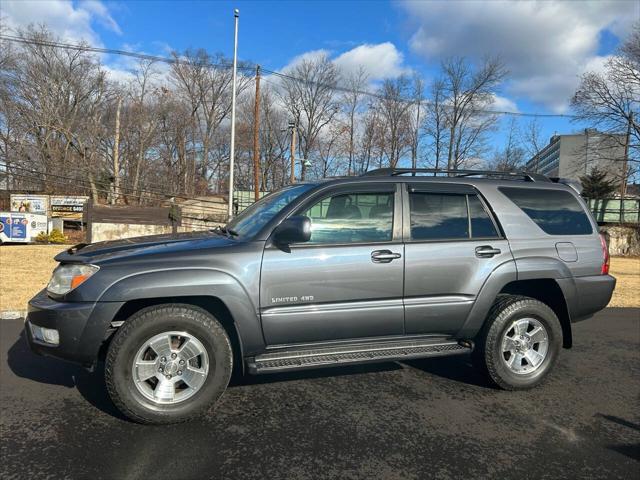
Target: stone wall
x=624 y=241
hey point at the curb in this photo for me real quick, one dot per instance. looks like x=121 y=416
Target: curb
x=12 y=314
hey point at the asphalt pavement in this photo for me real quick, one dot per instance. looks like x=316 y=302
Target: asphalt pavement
x=436 y=418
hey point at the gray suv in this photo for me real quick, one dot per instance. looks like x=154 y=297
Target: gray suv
x=390 y=265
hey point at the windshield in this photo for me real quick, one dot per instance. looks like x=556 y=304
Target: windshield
x=251 y=220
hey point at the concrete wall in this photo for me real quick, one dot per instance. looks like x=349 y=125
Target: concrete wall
x=101 y=232
x=113 y=231
x=580 y=154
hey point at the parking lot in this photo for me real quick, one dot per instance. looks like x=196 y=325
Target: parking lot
x=435 y=418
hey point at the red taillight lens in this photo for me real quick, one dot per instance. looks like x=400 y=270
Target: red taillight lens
x=605 y=255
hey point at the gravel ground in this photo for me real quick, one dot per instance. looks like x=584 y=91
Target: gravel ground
x=436 y=418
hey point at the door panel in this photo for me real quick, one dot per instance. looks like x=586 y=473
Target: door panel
x=347 y=281
x=446 y=265
x=330 y=292
x=442 y=280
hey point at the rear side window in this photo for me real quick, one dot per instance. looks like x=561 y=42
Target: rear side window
x=556 y=212
x=444 y=216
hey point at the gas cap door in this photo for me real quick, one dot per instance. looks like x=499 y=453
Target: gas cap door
x=567 y=251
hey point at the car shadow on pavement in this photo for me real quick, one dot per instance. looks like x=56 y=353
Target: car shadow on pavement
x=457 y=368
x=52 y=371
x=338 y=371
x=26 y=364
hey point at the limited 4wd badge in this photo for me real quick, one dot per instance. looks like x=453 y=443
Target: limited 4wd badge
x=304 y=298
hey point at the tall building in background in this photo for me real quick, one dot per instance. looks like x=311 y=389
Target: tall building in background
x=575 y=155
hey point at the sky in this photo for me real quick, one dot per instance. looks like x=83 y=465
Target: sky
x=545 y=45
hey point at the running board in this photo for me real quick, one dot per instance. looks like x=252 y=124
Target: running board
x=354 y=353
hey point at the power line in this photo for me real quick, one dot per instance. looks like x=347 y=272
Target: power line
x=224 y=65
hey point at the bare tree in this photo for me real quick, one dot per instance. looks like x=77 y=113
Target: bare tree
x=532 y=141
x=511 y=156
x=352 y=102
x=415 y=125
x=308 y=94
x=468 y=90
x=204 y=81
x=394 y=107
x=435 y=124
x=610 y=101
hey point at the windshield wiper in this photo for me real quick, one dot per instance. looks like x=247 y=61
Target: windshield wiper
x=226 y=231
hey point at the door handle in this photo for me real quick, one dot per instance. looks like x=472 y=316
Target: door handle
x=487 y=251
x=384 y=256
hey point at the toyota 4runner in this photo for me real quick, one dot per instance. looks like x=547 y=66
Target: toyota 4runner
x=385 y=266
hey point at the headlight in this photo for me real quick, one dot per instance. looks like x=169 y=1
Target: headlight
x=67 y=277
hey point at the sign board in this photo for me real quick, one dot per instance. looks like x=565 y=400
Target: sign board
x=67 y=206
x=24 y=203
x=21 y=227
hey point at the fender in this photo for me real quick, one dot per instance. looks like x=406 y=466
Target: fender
x=529 y=268
x=195 y=282
x=533 y=268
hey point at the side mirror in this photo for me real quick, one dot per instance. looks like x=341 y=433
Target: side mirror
x=296 y=229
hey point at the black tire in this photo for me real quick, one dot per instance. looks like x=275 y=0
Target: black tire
x=488 y=355
x=152 y=321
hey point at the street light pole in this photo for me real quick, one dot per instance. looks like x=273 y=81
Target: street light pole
x=292 y=126
x=236 y=14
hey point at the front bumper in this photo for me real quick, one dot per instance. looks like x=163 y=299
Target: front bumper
x=82 y=327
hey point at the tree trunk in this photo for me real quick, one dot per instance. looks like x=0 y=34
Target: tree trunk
x=116 y=157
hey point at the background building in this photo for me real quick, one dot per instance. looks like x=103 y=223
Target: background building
x=574 y=155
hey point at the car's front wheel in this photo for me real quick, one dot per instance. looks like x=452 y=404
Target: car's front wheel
x=520 y=342
x=168 y=364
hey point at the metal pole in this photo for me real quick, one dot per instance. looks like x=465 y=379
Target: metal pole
x=236 y=14
x=256 y=142
x=293 y=152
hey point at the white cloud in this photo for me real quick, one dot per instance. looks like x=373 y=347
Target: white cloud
x=546 y=45
x=72 y=22
x=379 y=61
x=502 y=104
x=307 y=56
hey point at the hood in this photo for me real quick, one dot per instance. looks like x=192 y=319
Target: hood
x=148 y=245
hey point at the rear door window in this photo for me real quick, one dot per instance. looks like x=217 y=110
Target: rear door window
x=449 y=216
x=481 y=224
x=556 y=212
x=438 y=216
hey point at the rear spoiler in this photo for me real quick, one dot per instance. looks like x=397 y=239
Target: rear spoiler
x=569 y=182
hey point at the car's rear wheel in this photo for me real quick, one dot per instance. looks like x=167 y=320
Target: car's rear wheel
x=168 y=364
x=520 y=342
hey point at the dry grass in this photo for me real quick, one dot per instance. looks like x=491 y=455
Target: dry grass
x=25 y=269
x=627 y=292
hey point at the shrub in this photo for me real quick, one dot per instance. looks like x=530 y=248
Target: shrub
x=43 y=237
x=56 y=236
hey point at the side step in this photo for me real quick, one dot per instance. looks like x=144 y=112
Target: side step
x=354 y=353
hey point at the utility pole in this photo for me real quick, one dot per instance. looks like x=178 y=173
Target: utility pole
x=256 y=134
x=116 y=156
x=623 y=186
x=292 y=126
x=236 y=14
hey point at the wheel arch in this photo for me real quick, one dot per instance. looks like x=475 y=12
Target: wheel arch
x=211 y=304
x=547 y=291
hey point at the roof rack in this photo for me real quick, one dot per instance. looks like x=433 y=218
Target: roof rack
x=394 y=172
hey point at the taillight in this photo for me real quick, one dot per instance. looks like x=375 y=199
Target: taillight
x=605 y=255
